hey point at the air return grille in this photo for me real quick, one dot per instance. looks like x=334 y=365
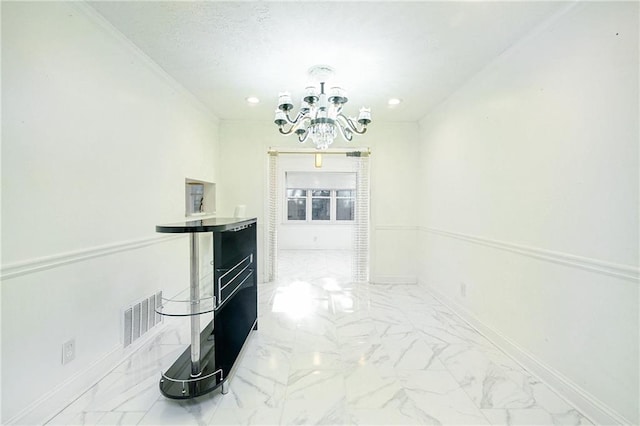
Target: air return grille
x=141 y=317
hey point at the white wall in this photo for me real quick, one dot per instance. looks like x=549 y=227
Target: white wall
x=96 y=144
x=394 y=165
x=528 y=195
x=394 y=203
x=529 y=191
x=315 y=237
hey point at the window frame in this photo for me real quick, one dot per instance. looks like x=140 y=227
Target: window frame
x=333 y=207
x=304 y=197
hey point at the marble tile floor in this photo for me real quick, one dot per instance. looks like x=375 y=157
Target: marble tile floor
x=329 y=351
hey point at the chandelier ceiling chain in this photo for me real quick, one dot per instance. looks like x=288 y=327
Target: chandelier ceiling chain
x=320 y=116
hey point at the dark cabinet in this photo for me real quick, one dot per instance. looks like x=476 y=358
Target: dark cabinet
x=232 y=297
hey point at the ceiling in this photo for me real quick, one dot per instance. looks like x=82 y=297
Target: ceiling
x=420 y=52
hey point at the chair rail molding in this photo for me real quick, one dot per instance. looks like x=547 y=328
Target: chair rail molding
x=30 y=266
x=387 y=227
x=625 y=272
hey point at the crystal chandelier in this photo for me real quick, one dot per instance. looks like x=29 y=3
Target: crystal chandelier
x=320 y=116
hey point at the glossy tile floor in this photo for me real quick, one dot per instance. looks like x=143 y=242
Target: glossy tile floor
x=331 y=352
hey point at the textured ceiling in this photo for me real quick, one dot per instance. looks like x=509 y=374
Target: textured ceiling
x=420 y=52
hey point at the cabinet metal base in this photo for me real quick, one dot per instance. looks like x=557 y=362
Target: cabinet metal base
x=178 y=381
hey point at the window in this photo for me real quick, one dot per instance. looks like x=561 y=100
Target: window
x=320 y=205
x=345 y=204
x=320 y=197
x=296 y=204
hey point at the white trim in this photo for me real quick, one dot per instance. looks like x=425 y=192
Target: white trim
x=395 y=228
x=590 y=406
x=507 y=53
x=626 y=272
x=17 y=269
x=97 y=18
x=394 y=279
x=52 y=403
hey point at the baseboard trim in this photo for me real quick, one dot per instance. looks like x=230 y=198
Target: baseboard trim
x=48 y=262
x=626 y=272
x=52 y=403
x=597 y=411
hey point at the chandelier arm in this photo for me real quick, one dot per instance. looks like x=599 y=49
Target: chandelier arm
x=302 y=138
x=348 y=136
x=286 y=132
x=294 y=125
x=352 y=126
x=299 y=117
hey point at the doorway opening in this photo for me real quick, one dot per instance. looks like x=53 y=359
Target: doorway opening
x=325 y=208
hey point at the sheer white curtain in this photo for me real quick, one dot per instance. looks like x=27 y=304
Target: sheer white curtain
x=360 y=268
x=272 y=225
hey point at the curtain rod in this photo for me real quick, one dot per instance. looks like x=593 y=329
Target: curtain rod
x=355 y=152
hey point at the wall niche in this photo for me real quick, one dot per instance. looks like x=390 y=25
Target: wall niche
x=200 y=198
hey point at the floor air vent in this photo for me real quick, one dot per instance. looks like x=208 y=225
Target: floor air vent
x=140 y=318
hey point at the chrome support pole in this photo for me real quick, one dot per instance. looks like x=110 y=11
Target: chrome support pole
x=194 y=297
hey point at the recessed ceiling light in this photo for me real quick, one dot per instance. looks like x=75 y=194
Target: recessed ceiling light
x=394 y=101
x=252 y=100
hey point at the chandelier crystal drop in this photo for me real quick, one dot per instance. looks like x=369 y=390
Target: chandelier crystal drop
x=320 y=116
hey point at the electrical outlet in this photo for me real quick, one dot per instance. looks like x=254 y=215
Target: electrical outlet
x=463 y=290
x=68 y=351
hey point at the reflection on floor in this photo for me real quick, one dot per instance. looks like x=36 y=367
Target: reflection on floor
x=329 y=351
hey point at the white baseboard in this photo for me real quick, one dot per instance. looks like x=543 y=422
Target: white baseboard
x=598 y=412
x=49 y=405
